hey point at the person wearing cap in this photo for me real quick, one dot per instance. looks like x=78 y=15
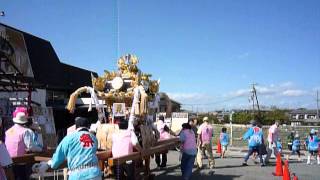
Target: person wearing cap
x=313 y=146
x=254 y=135
x=19 y=140
x=188 y=150
x=205 y=133
x=273 y=135
x=123 y=143
x=79 y=149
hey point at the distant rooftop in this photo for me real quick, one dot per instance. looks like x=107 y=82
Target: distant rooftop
x=303 y=111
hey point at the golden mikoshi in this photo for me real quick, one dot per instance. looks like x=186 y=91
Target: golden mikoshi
x=118 y=86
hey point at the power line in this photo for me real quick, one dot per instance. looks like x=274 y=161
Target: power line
x=318 y=104
x=117 y=27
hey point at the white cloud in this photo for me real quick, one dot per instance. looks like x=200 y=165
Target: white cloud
x=272 y=91
x=239 y=93
x=283 y=95
x=186 y=96
x=243 y=55
x=287 y=84
x=316 y=88
x=294 y=93
x=267 y=90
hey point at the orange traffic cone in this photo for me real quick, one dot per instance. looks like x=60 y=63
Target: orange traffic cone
x=278 y=169
x=286 y=172
x=219 y=147
x=294 y=176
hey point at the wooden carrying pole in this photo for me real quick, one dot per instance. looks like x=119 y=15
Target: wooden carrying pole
x=175 y=140
x=28 y=158
x=160 y=147
x=46 y=156
x=123 y=159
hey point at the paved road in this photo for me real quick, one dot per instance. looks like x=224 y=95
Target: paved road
x=231 y=169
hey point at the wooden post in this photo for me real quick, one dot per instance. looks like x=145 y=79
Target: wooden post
x=147 y=167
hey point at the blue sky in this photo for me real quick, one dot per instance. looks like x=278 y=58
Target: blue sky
x=206 y=52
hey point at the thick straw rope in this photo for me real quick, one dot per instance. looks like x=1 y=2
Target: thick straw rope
x=73 y=98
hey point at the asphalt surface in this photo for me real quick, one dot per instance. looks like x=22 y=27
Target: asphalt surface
x=231 y=169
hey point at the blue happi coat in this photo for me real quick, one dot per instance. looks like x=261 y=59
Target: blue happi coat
x=79 y=149
x=224 y=139
x=296 y=145
x=254 y=136
x=313 y=143
x=279 y=145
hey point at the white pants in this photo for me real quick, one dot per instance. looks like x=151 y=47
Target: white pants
x=271 y=147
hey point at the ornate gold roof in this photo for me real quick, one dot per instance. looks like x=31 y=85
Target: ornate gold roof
x=117 y=86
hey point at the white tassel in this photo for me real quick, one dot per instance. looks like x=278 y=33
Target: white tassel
x=132 y=112
x=99 y=107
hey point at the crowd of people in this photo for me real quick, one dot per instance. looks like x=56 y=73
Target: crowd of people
x=203 y=135
x=79 y=147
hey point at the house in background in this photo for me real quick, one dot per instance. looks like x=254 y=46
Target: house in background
x=304 y=117
x=168 y=105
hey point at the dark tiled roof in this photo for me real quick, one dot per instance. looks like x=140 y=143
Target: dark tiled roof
x=175 y=102
x=44 y=62
x=47 y=68
x=165 y=96
x=76 y=77
x=303 y=111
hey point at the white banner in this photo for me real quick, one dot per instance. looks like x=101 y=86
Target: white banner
x=178 y=118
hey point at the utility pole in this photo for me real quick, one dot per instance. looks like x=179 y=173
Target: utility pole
x=255 y=94
x=231 y=130
x=254 y=99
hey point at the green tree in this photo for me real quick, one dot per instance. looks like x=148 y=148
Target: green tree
x=242 y=117
x=212 y=119
x=266 y=117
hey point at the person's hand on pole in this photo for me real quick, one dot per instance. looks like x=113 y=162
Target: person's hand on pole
x=40 y=168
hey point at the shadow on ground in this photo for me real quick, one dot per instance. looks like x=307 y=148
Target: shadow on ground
x=198 y=176
x=170 y=173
